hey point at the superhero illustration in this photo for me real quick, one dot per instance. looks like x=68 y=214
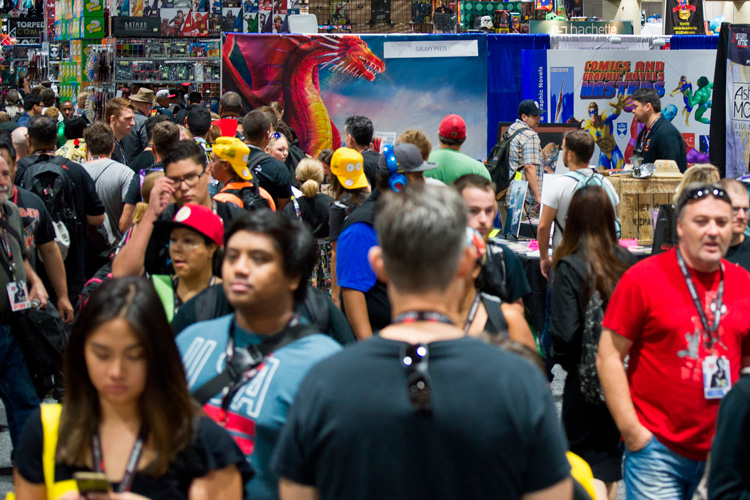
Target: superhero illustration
x=340 y=13
x=286 y=70
x=601 y=127
x=700 y=98
x=683 y=87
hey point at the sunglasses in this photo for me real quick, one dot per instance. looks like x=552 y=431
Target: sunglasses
x=414 y=358
x=276 y=135
x=703 y=191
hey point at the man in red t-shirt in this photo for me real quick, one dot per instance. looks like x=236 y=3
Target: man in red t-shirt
x=230 y=107
x=683 y=359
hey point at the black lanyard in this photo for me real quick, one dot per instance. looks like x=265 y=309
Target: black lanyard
x=472 y=311
x=646 y=133
x=716 y=305
x=135 y=455
x=429 y=316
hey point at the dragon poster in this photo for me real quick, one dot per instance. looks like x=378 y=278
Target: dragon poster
x=398 y=81
x=592 y=90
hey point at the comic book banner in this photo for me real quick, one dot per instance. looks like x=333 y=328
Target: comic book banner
x=684 y=17
x=320 y=80
x=732 y=77
x=592 y=89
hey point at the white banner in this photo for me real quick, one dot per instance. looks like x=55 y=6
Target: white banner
x=438 y=48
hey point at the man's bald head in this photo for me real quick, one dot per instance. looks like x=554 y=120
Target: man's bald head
x=18 y=137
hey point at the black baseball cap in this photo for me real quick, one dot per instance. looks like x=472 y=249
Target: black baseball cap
x=530 y=108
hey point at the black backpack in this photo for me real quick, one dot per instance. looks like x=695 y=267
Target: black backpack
x=47 y=178
x=498 y=163
x=592 y=331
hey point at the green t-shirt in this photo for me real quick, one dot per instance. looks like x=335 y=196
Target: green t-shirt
x=454 y=164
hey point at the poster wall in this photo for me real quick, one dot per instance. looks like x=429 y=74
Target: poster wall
x=397 y=81
x=591 y=89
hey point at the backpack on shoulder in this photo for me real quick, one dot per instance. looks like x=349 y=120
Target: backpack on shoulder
x=595 y=179
x=47 y=178
x=592 y=331
x=498 y=163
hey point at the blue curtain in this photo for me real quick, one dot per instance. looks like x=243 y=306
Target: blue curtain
x=688 y=42
x=504 y=77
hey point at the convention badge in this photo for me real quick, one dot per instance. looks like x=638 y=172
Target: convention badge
x=18 y=296
x=717 y=379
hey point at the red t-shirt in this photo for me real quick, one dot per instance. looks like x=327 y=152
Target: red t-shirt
x=651 y=306
x=228 y=126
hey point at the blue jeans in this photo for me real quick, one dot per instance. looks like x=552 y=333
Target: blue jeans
x=16 y=388
x=658 y=473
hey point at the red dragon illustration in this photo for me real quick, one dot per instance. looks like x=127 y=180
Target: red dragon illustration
x=268 y=68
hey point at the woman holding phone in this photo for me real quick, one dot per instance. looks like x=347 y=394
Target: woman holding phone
x=127 y=412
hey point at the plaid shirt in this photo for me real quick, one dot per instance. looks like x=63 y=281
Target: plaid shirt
x=525 y=149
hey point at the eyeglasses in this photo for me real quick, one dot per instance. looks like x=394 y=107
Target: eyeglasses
x=414 y=358
x=189 y=180
x=737 y=210
x=703 y=191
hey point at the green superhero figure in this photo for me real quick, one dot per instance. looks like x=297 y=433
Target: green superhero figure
x=701 y=98
x=600 y=127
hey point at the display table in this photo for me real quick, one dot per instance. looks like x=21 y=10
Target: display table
x=536 y=302
x=638 y=199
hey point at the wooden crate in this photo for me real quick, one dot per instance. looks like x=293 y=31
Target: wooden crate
x=638 y=199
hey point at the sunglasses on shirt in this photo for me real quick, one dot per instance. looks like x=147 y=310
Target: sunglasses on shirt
x=415 y=360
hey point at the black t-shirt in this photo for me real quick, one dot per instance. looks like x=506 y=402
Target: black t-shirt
x=492 y=433
x=273 y=176
x=157 y=259
x=314 y=213
x=370 y=159
x=86 y=202
x=338 y=213
x=738 y=254
x=211 y=448
x=37 y=226
x=143 y=161
x=133 y=195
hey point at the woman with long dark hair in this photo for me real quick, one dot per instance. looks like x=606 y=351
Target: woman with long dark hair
x=128 y=413
x=588 y=260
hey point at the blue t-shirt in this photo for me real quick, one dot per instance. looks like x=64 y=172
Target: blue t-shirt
x=353 y=270
x=258 y=410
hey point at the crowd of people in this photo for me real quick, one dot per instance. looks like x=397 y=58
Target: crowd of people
x=247 y=321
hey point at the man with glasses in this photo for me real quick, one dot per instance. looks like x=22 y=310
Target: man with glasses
x=682 y=316
x=421 y=411
x=739 y=247
x=186 y=180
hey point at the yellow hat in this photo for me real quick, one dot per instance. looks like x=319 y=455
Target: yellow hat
x=235 y=152
x=348 y=167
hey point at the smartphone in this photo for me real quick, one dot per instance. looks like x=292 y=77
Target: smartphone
x=91 y=482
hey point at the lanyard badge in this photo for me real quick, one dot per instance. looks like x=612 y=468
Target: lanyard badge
x=717 y=378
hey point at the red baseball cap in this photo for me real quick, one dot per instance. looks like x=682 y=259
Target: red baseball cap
x=453 y=127
x=198 y=218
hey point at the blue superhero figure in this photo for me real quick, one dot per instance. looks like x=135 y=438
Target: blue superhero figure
x=600 y=127
x=685 y=88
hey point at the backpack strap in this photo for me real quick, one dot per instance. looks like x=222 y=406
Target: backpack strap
x=50 y=427
x=254 y=356
x=257 y=160
x=163 y=286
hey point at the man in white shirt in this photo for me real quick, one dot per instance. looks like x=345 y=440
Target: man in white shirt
x=577 y=150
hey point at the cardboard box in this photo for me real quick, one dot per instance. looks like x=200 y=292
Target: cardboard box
x=638 y=199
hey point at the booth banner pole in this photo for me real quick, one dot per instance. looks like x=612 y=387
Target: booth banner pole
x=732 y=109
x=684 y=17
